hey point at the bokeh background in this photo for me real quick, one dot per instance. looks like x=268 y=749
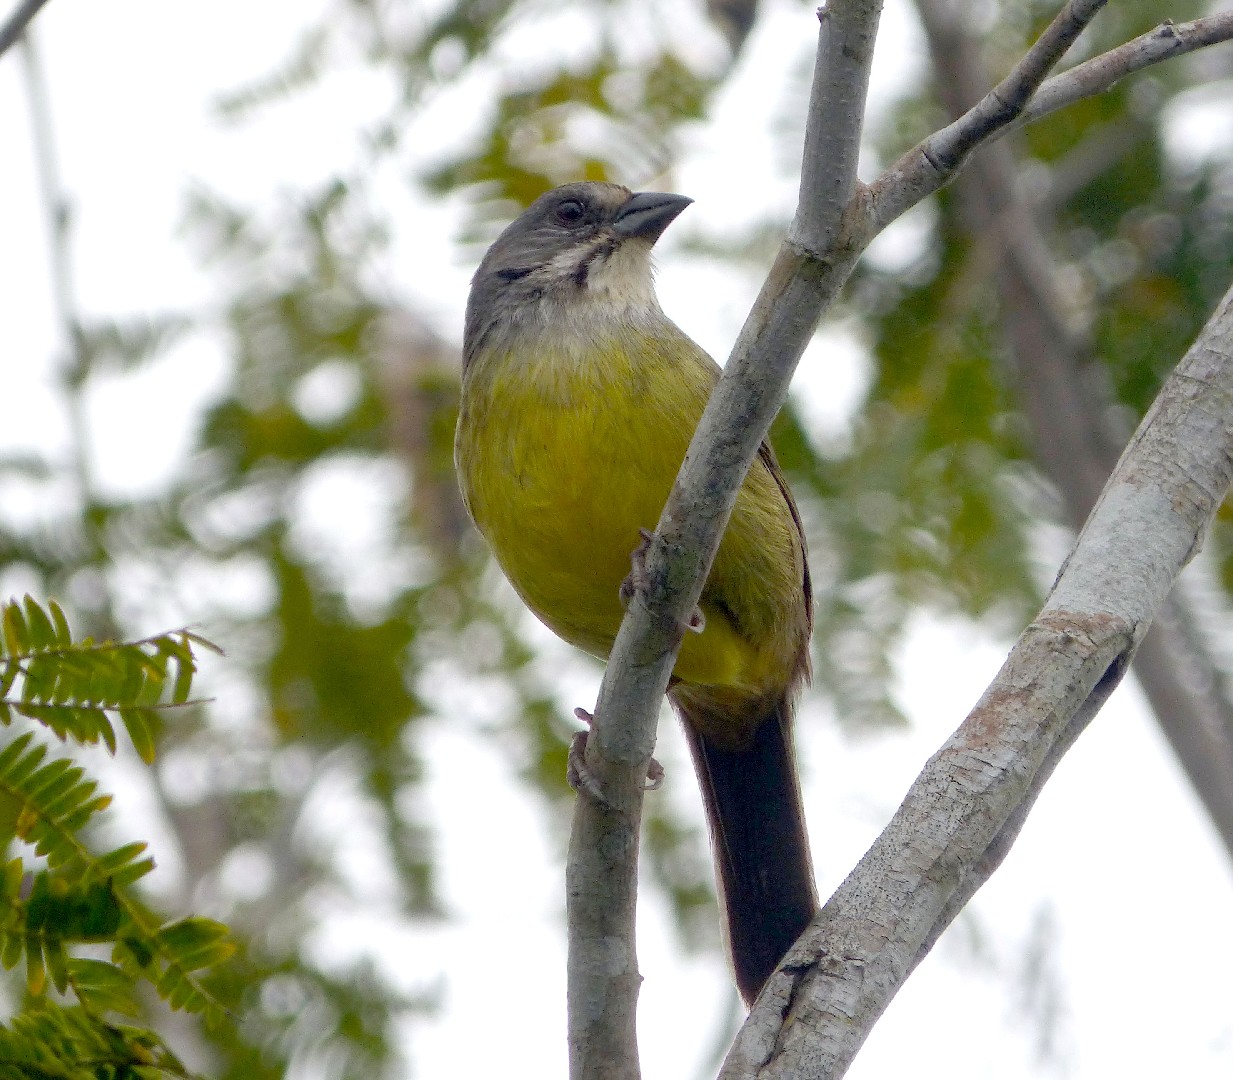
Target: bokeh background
x=237 y=240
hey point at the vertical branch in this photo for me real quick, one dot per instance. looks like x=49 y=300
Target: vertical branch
x=601 y=874
x=58 y=213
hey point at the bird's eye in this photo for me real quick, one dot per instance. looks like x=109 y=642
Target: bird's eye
x=570 y=212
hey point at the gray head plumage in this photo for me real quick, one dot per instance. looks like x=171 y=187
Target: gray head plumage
x=549 y=252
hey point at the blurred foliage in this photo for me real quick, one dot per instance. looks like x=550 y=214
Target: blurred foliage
x=529 y=147
x=934 y=500
x=51 y=1043
x=316 y=530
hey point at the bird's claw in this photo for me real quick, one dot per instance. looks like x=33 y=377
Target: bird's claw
x=581 y=779
x=637 y=580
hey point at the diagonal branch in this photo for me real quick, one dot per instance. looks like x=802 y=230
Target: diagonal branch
x=933 y=163
x=1174 y=666
x=17 y=23
x=816 y=1011
x=1097 y=75
x=1022 y=98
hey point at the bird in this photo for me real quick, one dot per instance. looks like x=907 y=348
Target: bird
x=579 y=399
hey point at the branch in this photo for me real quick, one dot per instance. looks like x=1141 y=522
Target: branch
x=833 y=126
x=601 y=873
x=58 y=211
x=933 y=163
x=17 y=23
x=967 y=804
x=1022 y=98
x=1097 y=75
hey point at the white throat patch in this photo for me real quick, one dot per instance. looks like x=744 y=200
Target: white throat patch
x=622 y=279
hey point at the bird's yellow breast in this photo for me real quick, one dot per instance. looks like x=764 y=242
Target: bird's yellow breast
x=563 y=453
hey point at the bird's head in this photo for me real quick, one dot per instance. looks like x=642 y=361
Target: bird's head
x=580 y=252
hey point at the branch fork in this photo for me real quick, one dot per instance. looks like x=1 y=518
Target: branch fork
x=965 y=809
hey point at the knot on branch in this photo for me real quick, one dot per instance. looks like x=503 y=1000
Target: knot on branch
x=1088 y=631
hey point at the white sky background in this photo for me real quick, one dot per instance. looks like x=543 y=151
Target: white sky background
x=1116 y=853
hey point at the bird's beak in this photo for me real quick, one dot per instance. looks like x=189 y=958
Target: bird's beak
x=648 y=213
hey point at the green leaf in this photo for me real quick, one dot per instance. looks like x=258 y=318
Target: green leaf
x=42 y=632
x=57 y=962
x=134 y=948
x=9 y=670
x=102 y=987
x=119 y=858
x=138 y=724
x=197 y=942
x=152 y=685
x=16 y=635
x=185 y=669
x=36 y=972
x=11 y=951
x=201 y=642
x=64 y=637
x=133 y=872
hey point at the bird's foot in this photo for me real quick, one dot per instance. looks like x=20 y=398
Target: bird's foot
x=581 y=779
x=637 y=580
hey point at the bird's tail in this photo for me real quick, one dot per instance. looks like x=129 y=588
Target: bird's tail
x=761 y=849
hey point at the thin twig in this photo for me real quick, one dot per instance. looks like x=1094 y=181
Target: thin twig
x=58 y=210
x=932 y=163
x=1094 y=76
x=1010 y=97
x=18 y=21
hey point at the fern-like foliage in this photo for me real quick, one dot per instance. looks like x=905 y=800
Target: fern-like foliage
x=70 y=894
x=75 y=688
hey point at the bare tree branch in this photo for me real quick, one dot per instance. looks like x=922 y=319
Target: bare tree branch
x=1190 y=700
x=1097 y=75
x=58 y=210
x=1018 y=100
x=933 y=163
x=966 y=805
x=833 y=125
x=1000 y=845
x=17 y=23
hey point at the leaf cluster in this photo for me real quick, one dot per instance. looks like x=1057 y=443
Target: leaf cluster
x=58 y=893
x=53 y=1042
x=75 y=688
